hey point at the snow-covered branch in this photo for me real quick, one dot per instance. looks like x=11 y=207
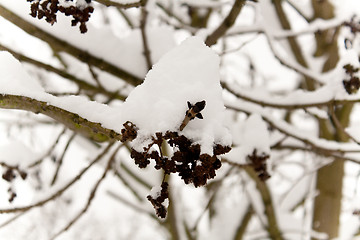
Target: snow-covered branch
x=73 y=121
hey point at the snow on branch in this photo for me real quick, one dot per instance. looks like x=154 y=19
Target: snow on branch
x=62 y=45
x=317 y=144
x=180 y=103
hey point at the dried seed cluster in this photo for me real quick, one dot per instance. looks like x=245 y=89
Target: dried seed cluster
x=354 y=26
x=187 y=160
x=158 y=201
x=49 y=9
x=9 y=175
x=352 y=84
x=258 y=162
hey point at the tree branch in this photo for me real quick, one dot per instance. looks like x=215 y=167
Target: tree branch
x=120 y=5
x=147 y=53
x=63 y=189
x=91 y=197
x=60 y=45
x=317 y=144
x=226 y=24
x=71 y=120
x=282 y=104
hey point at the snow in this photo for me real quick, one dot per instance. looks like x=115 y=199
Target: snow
x=124 y=52
x=15 y=153
x=190 y=72
x=13 y=78
x=155 y=192
x=292 y=131
x=253 y=134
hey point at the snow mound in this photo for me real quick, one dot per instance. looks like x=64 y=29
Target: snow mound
x=189 y=72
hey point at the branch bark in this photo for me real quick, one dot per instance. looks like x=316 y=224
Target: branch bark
x=226 y=24
x=71 y=120
x=61 y=45
x=120 y=5
x=82 y=84
x=272 y=227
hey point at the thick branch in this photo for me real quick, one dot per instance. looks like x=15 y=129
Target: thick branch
x=226 y=24
x=64 y=46
x=71 y=120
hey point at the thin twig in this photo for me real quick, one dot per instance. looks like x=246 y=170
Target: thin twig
x=95 y=77
x=120 y=5
x=339 y=126
x=135 y=177
x=128 y=185
x=81 y=83
x=61 y=190
x=321 y=153
x=60 y=160
x=91 y=197
x=272 y=225
x=61 y=45
x=12 y=219
x=171 y=14
x=226 y=24
x=285 y=128
x=132 y=205
x=146 y=52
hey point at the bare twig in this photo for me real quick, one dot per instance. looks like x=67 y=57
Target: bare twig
x=315 y=143
x=95 y=77
x=143 y=20
x=240 y=231
x=61 y=190
x=132 y=205
x=282 y=104
x=48 y=152
x=226 y=24
x=339 y=126
x=12 y=219
x=82 y=84
x=128 y=185
x=60 y=160
x=120 y=5
x=135 y=177
x=272 y=225
x=170 y=13
x=61 y=45
x=91 y=197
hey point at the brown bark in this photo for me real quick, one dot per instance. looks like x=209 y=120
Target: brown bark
x=327 y=205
